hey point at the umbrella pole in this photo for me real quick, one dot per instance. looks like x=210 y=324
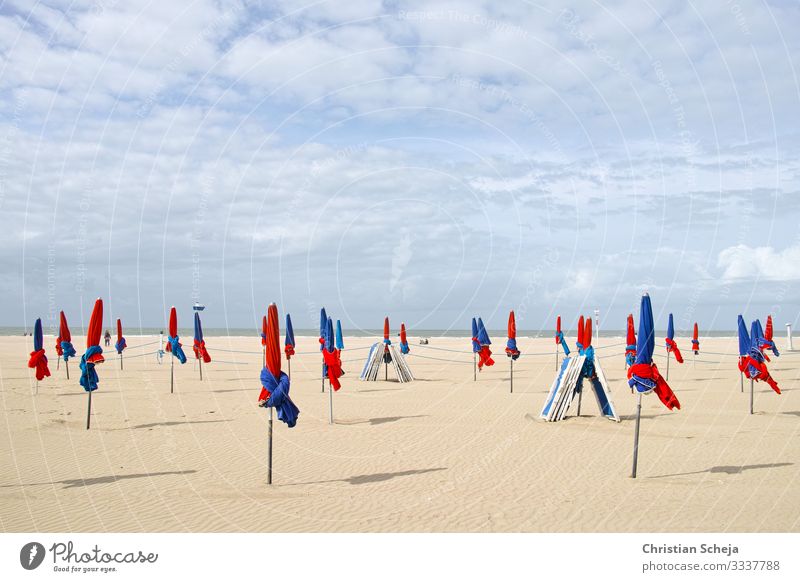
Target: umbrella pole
x=269 y=448
x=120 y=360
x=667 y=365
x=58 y=363
x=66 y=367
x=474 y=367
x=751 y=396
x=385 y=371
x=512 y=375
x=636 y=436
x=330 y=405
x=580 y=397
x=200 y=362
x=323 y=376
x=289 y=362
x=741 y=382
x=89 y=410
x=172 y=375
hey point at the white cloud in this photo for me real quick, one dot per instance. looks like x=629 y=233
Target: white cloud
x=742 y=262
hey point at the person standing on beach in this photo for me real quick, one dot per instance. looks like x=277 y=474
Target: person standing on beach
x=107 y=337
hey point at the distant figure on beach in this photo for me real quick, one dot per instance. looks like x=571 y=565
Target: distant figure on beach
x=107 y=337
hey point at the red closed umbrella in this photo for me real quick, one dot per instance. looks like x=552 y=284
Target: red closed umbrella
x=274 y=383
x=92 y=356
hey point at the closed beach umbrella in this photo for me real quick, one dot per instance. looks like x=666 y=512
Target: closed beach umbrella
x=92 y=356
x=323 y=323
x=333 y=362
x=404 y=339
x=288 y=345
x=476 y=347
x=672 y=347
x=579 y=339
x=696 y=339
x=511 y=344
x=630 y=341
x=275 y=384
x=339 y=337
x=121 y=343
x=64 y=347
x=643 y=375
x=174 y=347
x=511 y=347
x=751 y=359
x=485 y=354
x=387 y=355
x=766 y=340
x=38 y=359
x=333 y=365
x=199 y=344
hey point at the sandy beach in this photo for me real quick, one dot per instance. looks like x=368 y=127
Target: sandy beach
x=442 y=453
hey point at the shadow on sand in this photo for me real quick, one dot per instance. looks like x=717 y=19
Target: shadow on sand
x=372 y=478
x=73 y=483
x=381 y=420
x=728 y=469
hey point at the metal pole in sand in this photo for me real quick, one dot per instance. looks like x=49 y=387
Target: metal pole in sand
x=289 y=362
x=580 y=397
x=58 y=363
x=512 y=375
x=172 y=375
x=667 y=364
x=330 y=405
x=751 y=396
x=636 y=435
x=66 y=367
x=323 y=376
x=474 y=367
x=200 y=363
x=556 y=357
x=120 y=360
x=741 y=382
x=269 y=448
x=89 y=410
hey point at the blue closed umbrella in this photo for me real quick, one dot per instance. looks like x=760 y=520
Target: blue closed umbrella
x=643 y=374
x=323 y=323
x=38 y=342
x=339 y=338
x=646 y=341
x=330 y=341
x=289 y=337
x=38 y=359
x=483 y=335
x=476 y=346
x=744 y=338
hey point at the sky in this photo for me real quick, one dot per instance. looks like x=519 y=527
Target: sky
x=431 y=161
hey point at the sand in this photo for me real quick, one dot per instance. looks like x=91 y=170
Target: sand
x=443 y=453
